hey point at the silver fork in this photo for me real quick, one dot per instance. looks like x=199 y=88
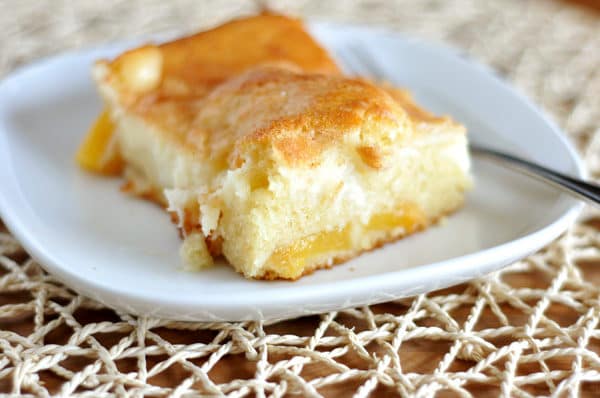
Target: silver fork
x=357 y=61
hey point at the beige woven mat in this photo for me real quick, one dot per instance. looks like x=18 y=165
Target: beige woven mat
x=531 y=329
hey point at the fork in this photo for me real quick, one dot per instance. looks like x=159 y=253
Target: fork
x=357 y=61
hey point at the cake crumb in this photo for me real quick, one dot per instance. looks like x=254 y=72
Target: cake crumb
x=195 y=253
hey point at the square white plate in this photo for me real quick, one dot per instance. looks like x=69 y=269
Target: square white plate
x=124 y=252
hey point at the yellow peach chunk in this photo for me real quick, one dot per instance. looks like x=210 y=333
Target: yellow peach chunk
x=293 y=258
x=98 y=152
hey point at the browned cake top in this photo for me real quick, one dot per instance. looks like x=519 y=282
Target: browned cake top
x=193 y=65
x=212 y=56
x=259 y=83
x=295 y=114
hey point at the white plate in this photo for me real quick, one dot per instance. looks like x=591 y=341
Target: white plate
x=124 y=252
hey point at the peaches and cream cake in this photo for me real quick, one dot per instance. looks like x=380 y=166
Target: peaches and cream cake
x=266 y=154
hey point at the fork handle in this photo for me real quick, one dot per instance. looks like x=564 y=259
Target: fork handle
x=583 y=190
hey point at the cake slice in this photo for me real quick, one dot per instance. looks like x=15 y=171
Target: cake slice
x=282 y=165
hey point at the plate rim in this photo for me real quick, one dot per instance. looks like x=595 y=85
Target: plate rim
x=238 y=302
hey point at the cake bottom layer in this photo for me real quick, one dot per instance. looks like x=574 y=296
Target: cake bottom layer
x=326 y=248
x=323 y=249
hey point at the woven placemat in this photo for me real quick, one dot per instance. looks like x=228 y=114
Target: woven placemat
x=529 y=330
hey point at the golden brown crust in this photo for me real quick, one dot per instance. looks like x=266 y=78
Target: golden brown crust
x=297 y=109
x=297 y=115
x=208 y=58
x=189 y=67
